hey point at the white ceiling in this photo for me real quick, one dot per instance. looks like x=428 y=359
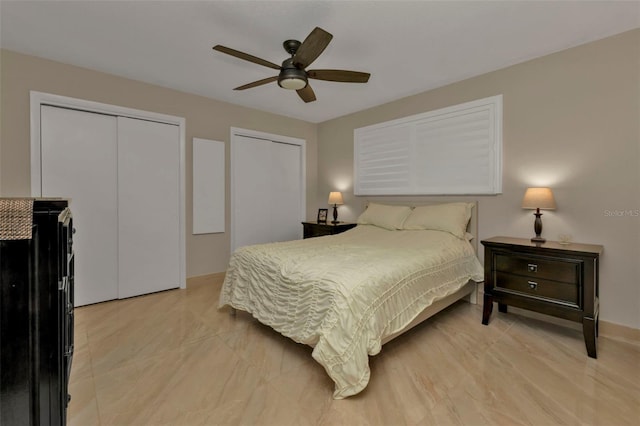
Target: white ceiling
x=408 y=47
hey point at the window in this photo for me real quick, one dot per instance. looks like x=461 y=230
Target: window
x=454 y=150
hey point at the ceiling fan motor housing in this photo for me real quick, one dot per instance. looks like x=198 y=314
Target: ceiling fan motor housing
x=291 y=46
x=292 y=77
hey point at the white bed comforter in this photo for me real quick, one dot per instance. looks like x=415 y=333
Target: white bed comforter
x=344 y=293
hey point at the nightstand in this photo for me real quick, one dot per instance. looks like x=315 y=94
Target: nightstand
x=549 y=278
x=315 y=229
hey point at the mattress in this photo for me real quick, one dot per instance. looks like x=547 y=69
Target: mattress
x=343 y=294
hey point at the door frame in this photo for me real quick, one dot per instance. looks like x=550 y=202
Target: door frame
x=40 y=98
x=235 y=132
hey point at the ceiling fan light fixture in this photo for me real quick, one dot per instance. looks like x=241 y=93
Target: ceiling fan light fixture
x=292 y=79
x=292 y=83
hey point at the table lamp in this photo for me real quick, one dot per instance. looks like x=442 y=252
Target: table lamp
x=335 y=198
x=538 y=198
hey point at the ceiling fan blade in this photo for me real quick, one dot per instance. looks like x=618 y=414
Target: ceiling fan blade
x=307 y=94
x=245 y=56
x=312 y=47
x=257 y=83
x=339 y=75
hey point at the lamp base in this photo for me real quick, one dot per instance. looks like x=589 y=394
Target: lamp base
x=335 y=222
x=537 y=227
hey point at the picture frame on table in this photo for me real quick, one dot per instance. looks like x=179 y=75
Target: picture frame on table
x=322 y=215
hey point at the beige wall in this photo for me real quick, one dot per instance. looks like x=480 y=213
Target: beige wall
x=205 y=118
x=571 y=121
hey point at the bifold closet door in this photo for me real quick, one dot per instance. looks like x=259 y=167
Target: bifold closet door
x=122 y=176
x=267 y=191
x=286 y=187
x=148 y=203
x=252 y=191
x=78 y=161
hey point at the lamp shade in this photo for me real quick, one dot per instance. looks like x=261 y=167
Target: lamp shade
x=539 y=198
x=335 y=198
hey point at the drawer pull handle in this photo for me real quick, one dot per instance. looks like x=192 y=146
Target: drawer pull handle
x=532 y=285
x=532 y=267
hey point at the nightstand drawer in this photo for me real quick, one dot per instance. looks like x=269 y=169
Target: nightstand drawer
x=318 y=232
x=314 y=229
x=538 y=267
x=556 y=291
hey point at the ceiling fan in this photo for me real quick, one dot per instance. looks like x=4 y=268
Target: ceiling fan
x=293 y=75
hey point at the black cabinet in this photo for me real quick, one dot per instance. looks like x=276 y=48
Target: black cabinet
x=550 y=278
x=36 y=318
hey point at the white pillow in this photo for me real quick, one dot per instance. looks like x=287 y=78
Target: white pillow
x=449 y=217
x=384 y=216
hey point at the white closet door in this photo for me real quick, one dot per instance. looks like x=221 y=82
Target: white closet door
x=267 y=185
x=252 y=191
x=148 y=206
x=286 y=190
x=78 y=158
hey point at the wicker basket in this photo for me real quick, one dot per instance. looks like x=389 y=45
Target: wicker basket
x=16 y=218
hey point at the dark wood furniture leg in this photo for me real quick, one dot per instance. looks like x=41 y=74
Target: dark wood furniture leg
x=502 y=308
x=487 y=308
x=589 y=327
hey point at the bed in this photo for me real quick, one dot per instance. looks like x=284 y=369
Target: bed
x=348 y=294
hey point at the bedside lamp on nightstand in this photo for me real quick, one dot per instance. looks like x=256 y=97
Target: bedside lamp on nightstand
x=335 y=198
x=538 y=198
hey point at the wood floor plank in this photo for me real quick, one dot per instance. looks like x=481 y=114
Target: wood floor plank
x=174 y=358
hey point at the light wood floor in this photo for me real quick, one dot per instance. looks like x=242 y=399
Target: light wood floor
x=173 y=358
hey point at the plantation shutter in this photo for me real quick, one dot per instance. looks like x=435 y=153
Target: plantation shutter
x=455 y=150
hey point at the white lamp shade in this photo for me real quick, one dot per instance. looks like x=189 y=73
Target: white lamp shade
x=335 y=198
x=539 y=198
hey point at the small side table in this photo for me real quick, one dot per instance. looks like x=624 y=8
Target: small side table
x=315 y=229
x=549 y=278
